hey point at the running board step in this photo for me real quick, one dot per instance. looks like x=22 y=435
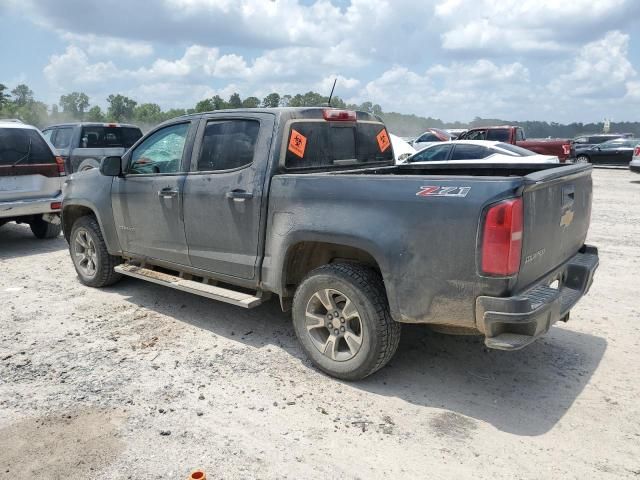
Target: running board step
x=216 y=293
x=509 y=341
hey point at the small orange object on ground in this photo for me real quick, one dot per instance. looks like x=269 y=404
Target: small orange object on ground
x=198 y=475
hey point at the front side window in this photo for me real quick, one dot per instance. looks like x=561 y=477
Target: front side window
x=470 y=152
x=519 y=135
x=228 y=144
x=161 y=152
x=62 y=138
x=581 y=140
x=47 y=134
x=432 y=154
x=476 y=135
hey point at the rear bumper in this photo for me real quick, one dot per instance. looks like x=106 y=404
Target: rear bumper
x=24 y=208
x=634 y=167
x=514 y=322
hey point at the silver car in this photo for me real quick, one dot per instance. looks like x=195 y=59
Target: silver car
x=31 y=177
x=634 y=165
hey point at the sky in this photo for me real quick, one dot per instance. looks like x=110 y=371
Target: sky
x=553 y=60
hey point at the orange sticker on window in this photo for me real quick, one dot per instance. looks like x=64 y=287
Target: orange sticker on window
x=383 y=140
x=297 y=143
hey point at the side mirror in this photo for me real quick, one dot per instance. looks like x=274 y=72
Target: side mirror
x=111 y=166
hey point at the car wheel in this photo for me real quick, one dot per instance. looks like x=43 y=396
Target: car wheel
x=582 y=159
x=43 y=229
x=91 y=259
x=341 y=317
x=88 y=164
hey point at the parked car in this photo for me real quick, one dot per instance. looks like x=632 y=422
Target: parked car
x=612 y=152
x=584 y=142
x=431 y=136
x=561 y=148
x=634 y=165
x=478 y=151
x=83 y=145
x=401 y=148
x=307 y=204
x=31 y=178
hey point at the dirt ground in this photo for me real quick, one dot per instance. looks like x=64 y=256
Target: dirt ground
x=139 y=381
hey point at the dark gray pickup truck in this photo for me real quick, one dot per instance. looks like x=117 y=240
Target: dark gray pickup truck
x=82 y=145
x=306 y=204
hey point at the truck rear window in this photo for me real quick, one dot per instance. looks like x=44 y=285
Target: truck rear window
x=106 y=137
x=25 y=146
x=323 y=144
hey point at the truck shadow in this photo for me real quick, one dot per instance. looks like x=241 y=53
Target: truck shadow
x=17 y=241
x=525 y=392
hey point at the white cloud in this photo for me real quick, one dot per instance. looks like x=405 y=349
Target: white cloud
x=109 y=46
x=73 y=68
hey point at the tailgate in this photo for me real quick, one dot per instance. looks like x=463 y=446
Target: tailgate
x=557 y=212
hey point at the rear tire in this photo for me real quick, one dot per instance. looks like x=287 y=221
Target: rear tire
x=582 y=159
x=43 y=229
x=93 y=263
x=88 y=164
x=341 y=318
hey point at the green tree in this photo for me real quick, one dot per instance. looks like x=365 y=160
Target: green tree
x=285 y=101
x=4 y=97
x=120 y=107
x=251 y=102
x=22 y=95
x=33 y=113
x=149 y=113
x=172 y=113
x=205 y=105
x=235 y=101
x=95 y=114
x=74 y=104
x=271 y=101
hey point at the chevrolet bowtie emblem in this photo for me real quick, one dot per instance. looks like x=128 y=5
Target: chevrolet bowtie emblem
x=567 y=218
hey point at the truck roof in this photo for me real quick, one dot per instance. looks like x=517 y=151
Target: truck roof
x=92 y=124
x=291 y=112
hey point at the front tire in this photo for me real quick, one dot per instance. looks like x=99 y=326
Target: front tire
x=582 y=159
x=43 y=229
x=341 y=318
x=94 y=265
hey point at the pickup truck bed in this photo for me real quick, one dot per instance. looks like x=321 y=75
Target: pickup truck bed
x=318 y=215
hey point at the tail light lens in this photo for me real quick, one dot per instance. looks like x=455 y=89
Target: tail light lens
x=55 y=205
x=636 y=151
x=60 y=164
x=566 y=149
x=335 y=115
x=502 y=238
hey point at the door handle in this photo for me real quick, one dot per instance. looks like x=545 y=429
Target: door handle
x=168 y=192
x=239 y=195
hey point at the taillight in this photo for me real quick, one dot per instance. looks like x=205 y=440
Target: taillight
x=502 y=238
x=566 y=148
x=334 y=115
x=55 y=205
x=60 y=164
x=636 y=151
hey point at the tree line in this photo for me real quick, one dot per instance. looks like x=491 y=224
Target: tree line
x=21 y=103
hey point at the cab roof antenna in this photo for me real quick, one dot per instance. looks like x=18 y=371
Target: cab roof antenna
x=332 y=89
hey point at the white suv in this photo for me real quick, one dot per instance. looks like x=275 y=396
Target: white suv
x=31 y=177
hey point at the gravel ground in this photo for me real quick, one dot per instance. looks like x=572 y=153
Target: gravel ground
x=139 y=381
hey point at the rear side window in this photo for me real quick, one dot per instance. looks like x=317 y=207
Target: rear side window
x=62 y=137
x=470 y=152
x=432 y=154
x=475 y=135
x=108 y=137
x=498 y=134
x=428 y=137
x=515 y=150
x=228 y=144
x=333 y=144
x=24 y=146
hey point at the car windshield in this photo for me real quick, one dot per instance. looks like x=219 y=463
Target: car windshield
x=23 y=145
x=515 y=150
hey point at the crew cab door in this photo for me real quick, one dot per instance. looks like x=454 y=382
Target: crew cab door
x=223 y=193
x=148 y=199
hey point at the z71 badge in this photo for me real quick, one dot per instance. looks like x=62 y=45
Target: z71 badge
x=432 y=191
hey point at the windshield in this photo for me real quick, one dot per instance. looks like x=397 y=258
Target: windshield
x=24 y=145
x=515 y=150
x=322 y=144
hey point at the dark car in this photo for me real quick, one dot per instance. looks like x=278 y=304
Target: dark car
x=82 y=145
x=584 y=142
x=612 y=152
x=307 y=204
